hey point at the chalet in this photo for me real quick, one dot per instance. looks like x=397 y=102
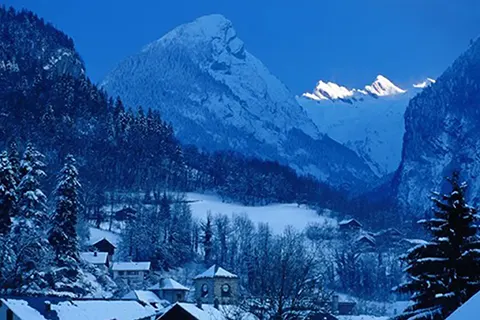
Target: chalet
x=365 y=243
x=190 y=311
x=103 y=245
x=54 y=308
x=99 y=259
x=388 y=237
x=170 y=290
x=216 y=284
x=125 y=214
x=342 y=307
x=147 y=297
x=349 y=225
x=133 y=273
x=469 y=310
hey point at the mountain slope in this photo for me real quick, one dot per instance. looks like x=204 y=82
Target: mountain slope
x=369 y=121
x=219 y=96
x=442 y=134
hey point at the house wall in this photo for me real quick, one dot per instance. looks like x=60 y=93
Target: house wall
x=173 y=295
x=3 y=313
x=131 y=277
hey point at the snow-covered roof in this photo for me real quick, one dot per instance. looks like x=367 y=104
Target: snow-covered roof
x=170 y=284
x=143 y=295
x=216 y=272
x=469 y=310
x=349 y=221
x=131 y=266
x=366 y=237
x=94 y=257
x=63 y=309
x=209 y=312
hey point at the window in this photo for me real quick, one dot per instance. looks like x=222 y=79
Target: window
x=179 y=297
x=226 y=291
x=120 y=273
x=204 y=290
x=133 y=273
x=9 y=314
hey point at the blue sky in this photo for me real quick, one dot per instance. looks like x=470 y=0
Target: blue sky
x=300 y=41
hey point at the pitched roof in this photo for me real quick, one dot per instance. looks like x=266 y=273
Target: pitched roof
x=215 y=272
x=143 y=295
x=94 y=257
x=349 y=221
x=170 y=284
x=209 y=312
x=469 y=310
x=131 y=266
x=63 y=309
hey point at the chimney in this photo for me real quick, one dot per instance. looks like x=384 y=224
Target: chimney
x=335 y=299
x=199 y=303
x=48 y=307
x=216 y=304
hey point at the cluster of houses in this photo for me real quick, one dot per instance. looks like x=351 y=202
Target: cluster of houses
x=215 y=296
x=383 y=240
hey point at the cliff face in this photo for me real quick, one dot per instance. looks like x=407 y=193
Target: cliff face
x=442 y=134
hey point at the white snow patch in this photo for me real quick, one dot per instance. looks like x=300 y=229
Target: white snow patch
x=278 y=216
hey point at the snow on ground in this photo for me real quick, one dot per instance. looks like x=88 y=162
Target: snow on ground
x=98 y=234
x=278 y=216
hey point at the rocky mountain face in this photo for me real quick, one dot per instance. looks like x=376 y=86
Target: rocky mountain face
x=30 y=46
x=369 y=121
x=442 y=134
x=219 y=96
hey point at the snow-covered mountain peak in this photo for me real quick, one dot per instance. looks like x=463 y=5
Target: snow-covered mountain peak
x=383 y=87
x=424 y=83
x=214 y=29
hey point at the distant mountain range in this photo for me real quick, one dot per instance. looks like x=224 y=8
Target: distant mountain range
x=369 y=120
x=219 y=96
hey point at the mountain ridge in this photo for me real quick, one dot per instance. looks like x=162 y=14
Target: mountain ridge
x=219 y=96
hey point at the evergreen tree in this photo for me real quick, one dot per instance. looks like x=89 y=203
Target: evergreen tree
x=63 y=235
x=32 y=201
x=7 y=194
x=445 y=272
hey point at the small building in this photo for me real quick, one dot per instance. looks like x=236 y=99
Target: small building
x=147 y=297
x=342 y=307
x=99 y=259
x=170 y=290
x=131 y=272
x=365 y=243
x=388 y=237
x=349 y=225
x=54 y=308
x=125 y=214
x=104 y=245
x=190 y=311
x=216 y=284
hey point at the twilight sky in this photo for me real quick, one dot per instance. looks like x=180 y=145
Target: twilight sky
x=301 y=42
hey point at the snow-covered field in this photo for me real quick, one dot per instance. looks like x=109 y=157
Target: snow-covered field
x=98 y=234
x=278 y=216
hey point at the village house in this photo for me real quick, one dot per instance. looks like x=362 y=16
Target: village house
x=54 y=308
x=133 y=273
x=99 y=259
x=365 y=243
x=103 y=245
x=350 y=225
x=170 y=290
x=190 y=311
